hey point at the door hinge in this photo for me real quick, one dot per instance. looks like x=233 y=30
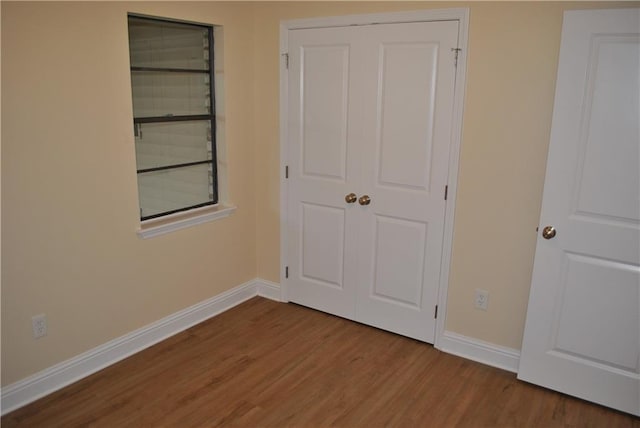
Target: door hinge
x=456 y=51
x=446 y=192
x=286 y=171
x=286 y=271
x=435 y=315
x=286 y=60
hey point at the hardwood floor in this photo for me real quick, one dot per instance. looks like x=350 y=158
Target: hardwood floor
x=273 y=364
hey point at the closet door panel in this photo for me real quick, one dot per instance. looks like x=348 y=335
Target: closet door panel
x=408 y=117
x=324 y=167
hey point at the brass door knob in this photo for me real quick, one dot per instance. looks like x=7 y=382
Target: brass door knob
x=548 y=232
x=364 y=200
x=351 y=198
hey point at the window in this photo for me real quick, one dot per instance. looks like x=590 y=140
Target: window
x=172 y=81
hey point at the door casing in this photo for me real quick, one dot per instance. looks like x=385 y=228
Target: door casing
x=459 y=14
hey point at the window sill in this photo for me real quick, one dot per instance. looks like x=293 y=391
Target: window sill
x=171 y=223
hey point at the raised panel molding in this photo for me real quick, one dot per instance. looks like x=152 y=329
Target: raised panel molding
x=406 y=99
x=323 y=242
x=612 y=325
x=605 y=117
x=392 y=281
x=325 y=102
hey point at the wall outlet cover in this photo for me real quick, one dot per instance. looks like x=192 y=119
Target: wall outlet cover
x=39 y=325
x=482 y=299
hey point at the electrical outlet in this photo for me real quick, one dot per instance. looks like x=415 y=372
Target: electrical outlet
x=482 y=299
x=39 y=325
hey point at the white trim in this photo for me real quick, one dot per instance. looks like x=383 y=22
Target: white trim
x=454 y=158
x=267 y=289
x=377 y=18
x=284 y=156
x=480 y=351
x=459 y=14
x=163 y=225
x=56 y=377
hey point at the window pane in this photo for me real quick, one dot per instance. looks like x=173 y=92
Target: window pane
x=172 y=80
x=167 y=93
x=168 y=45
x=171 y=143
x=174 y=189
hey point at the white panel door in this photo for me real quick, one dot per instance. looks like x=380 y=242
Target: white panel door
x=404 y=172
x=362 y=120
x=323 y=166
x=582 y=333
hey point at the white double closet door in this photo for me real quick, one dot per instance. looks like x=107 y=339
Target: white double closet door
x=370 y=114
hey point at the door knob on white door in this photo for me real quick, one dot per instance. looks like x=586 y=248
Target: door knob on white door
x=548 y=232
x=351 y=198
x=364 y=200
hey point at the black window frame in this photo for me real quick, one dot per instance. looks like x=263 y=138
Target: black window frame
x=211 y=117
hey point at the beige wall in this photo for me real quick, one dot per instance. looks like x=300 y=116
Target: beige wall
x=69 y=194
x=69 y=202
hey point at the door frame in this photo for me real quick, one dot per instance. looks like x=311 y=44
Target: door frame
x=456 y=14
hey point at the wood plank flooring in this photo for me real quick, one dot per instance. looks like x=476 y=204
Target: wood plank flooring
x=272 y=364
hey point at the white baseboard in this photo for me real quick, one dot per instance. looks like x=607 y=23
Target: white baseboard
x=480 y=351
x=268 y=289
x=56 y=377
